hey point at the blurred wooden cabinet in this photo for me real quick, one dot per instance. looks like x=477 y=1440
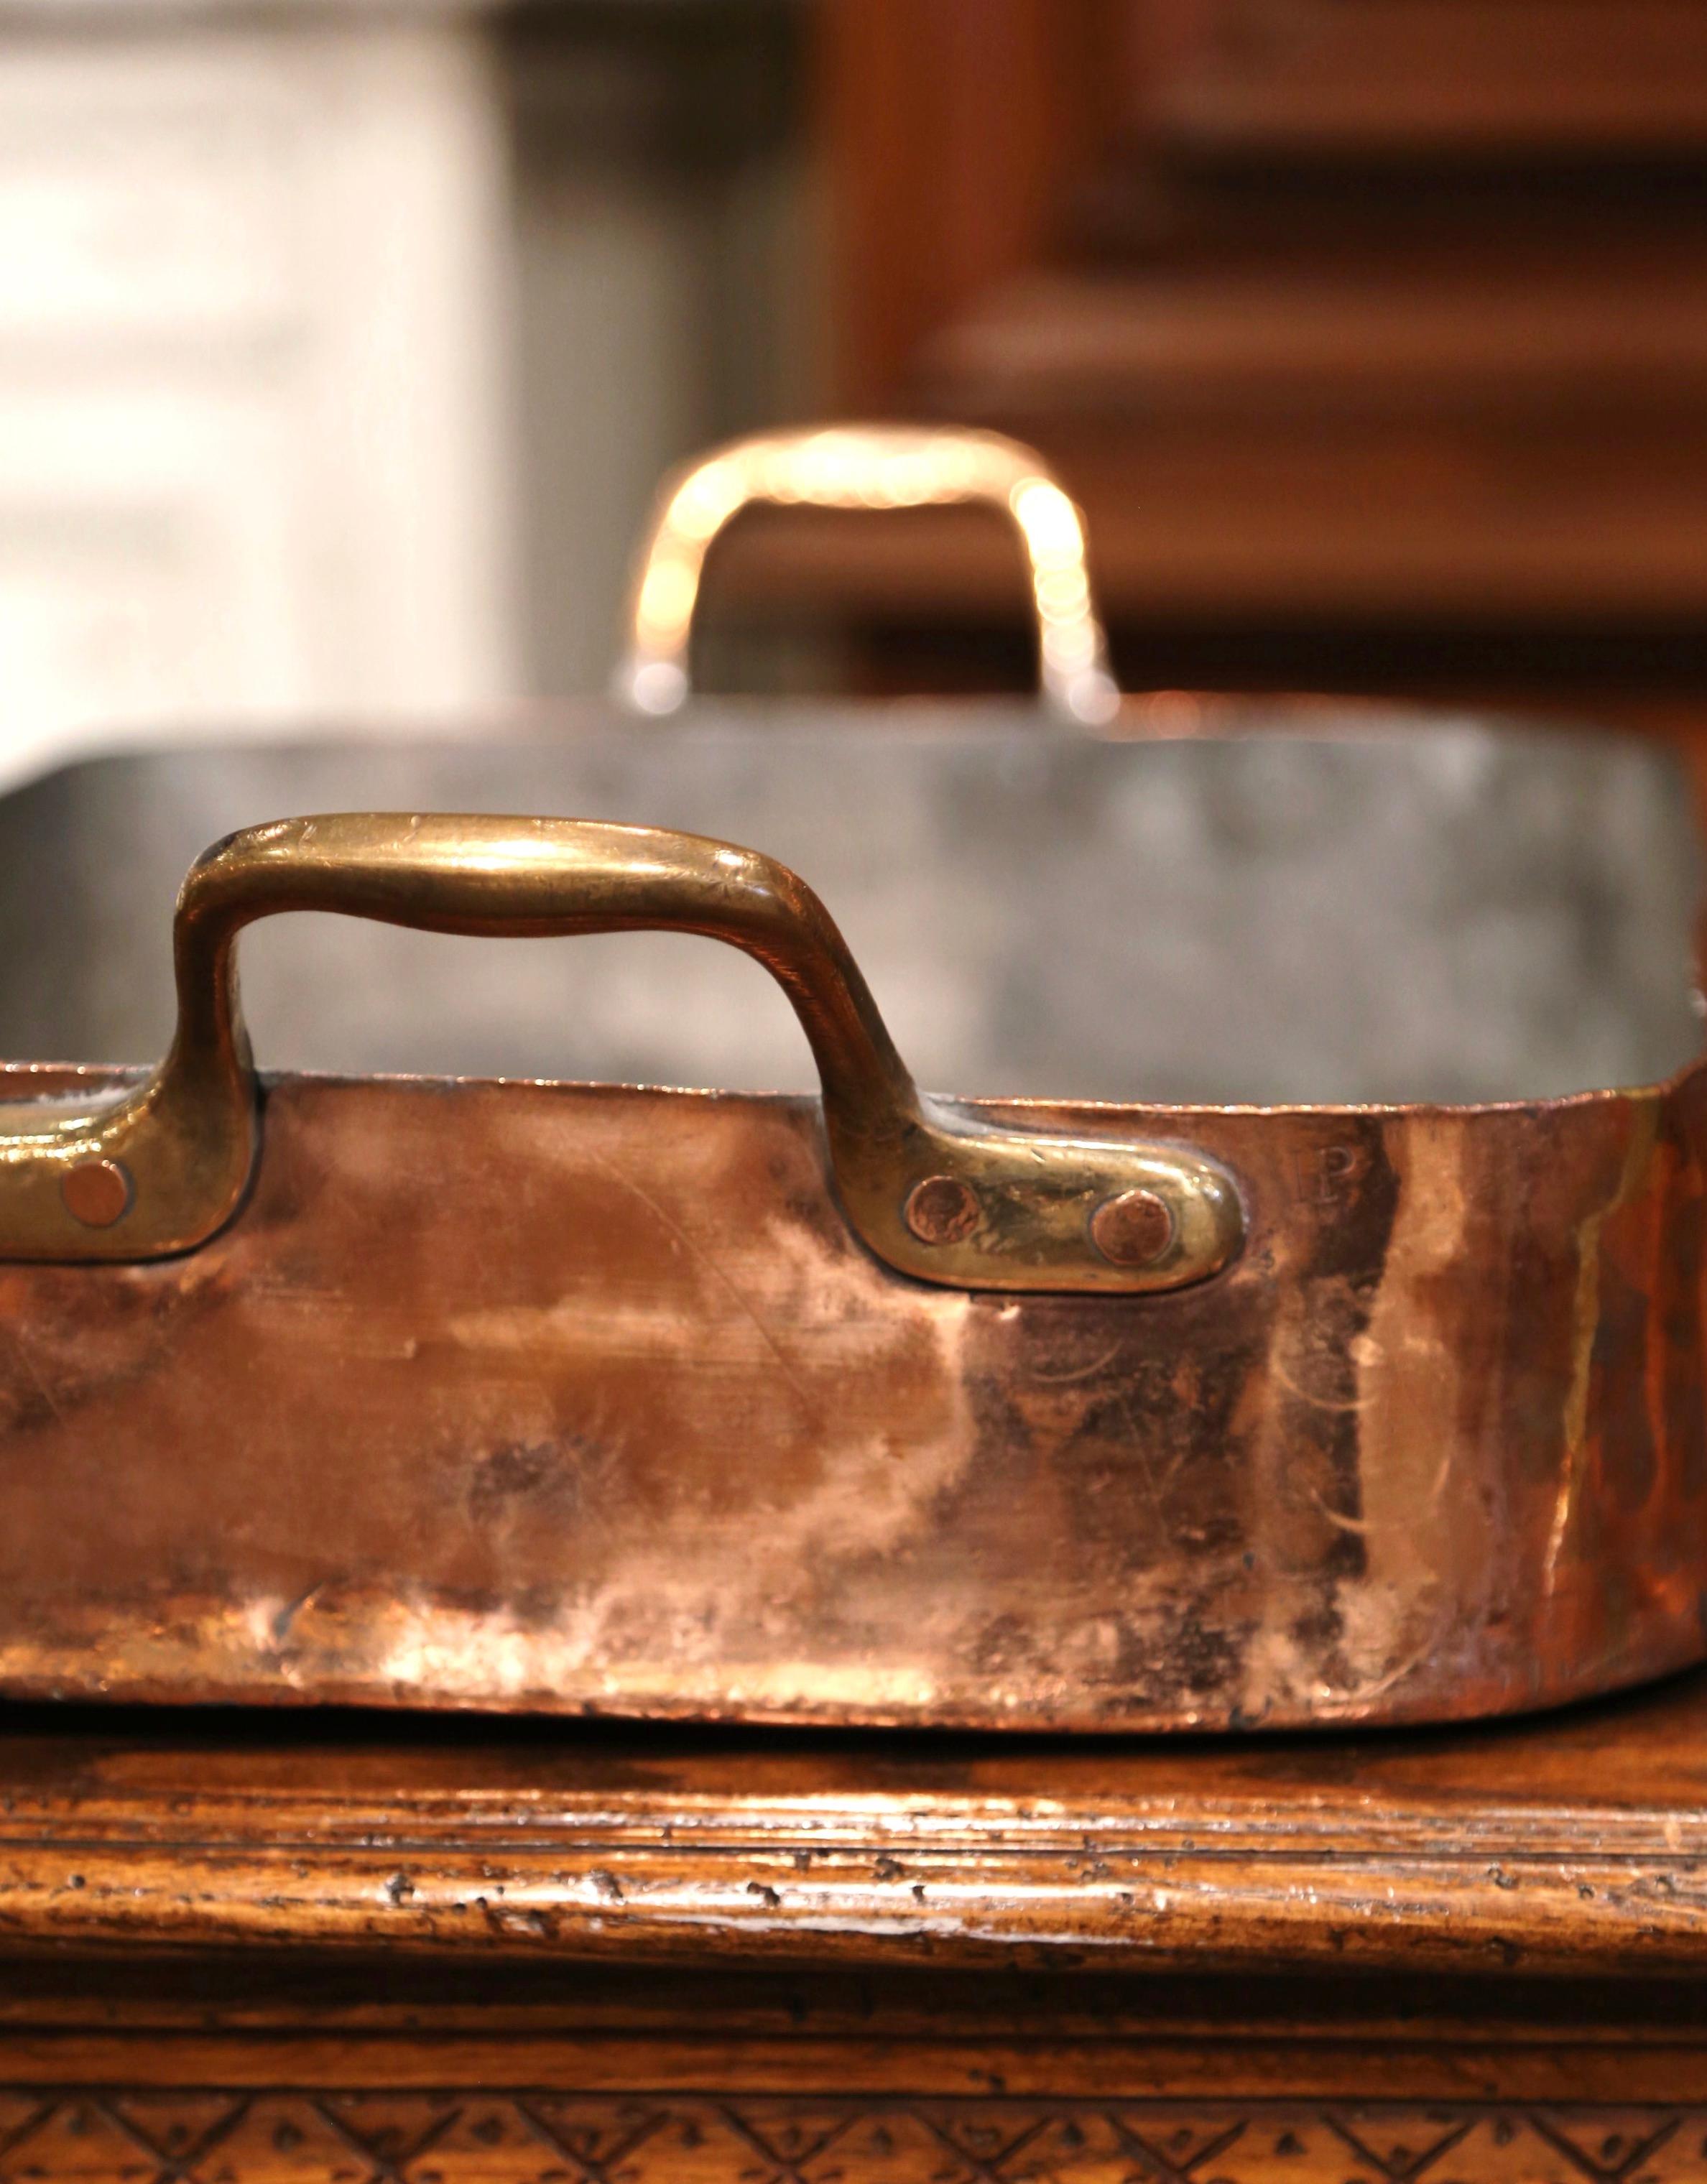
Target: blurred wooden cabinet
x=1371 y=333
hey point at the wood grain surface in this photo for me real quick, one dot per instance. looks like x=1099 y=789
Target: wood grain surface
x=312 y=1946
x=1568 y=1843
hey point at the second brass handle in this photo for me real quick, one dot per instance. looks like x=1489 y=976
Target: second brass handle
x=868 y=467
x=933 y=1189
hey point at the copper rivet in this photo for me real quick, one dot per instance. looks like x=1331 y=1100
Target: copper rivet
x=942 y=1209
x=1134 y=1230
x=96 y=1192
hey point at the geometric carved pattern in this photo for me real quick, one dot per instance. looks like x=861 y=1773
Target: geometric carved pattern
x=108 y=2136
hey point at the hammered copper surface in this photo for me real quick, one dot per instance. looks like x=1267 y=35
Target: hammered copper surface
x=580 y=1397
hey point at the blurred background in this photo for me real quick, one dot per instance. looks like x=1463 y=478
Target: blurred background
x=342 y=346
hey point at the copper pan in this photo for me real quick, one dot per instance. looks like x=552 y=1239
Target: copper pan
x=867 y=1406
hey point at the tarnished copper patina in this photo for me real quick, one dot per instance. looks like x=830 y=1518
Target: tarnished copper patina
x=870 y=1406
x=592 y=1398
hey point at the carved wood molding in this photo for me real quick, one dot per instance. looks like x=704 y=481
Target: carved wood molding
x=1574 y=1843
x=217 y=2135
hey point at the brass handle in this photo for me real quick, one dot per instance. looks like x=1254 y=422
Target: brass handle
x=867 y=466
x=931 y=1189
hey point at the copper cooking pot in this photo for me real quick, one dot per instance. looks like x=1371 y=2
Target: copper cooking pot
x=877 y=1406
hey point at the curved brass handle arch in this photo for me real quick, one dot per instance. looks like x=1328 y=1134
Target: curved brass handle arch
x=868 y=467
x=930 y=1189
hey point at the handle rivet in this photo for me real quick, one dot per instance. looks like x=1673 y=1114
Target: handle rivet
x=1134 y=1230
x=97 y=1192
x=942 y=1209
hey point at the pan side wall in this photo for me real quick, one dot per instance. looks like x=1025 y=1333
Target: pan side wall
x=580 y=1398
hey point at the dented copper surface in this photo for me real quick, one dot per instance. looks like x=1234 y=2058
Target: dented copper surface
x=583 y=1398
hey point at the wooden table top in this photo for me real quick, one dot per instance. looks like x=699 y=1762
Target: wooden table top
x=311 y=1948
x=1572 y=1843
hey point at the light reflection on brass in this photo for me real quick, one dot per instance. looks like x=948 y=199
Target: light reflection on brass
x=852 y=467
